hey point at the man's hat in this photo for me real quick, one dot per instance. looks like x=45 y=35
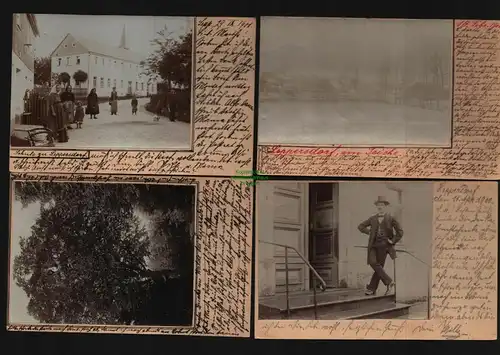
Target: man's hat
x=381 y=199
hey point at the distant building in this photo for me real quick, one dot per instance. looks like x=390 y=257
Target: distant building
x=106 y=66
x=24 y=31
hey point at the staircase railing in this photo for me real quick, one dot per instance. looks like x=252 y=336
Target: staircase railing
x=309 y=266
x=428 y=268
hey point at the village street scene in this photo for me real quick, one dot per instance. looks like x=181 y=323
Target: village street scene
x=110 y=82
x=355 y=82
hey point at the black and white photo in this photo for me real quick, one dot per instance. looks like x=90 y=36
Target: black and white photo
x=355 y=82
x=102 y=254
x=101 y=82
x=344 y=250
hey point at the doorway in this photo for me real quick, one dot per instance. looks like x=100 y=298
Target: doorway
x=323 y=231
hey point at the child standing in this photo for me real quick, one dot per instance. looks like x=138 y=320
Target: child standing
x=79 y=114
x=134 y=105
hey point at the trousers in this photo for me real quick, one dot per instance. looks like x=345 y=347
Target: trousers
x=376 y=259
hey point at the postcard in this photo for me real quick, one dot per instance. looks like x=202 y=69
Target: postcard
x=400 y=98
x=132 y=94
x=376 y=260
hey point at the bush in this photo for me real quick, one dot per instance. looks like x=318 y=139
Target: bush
x=183 y=98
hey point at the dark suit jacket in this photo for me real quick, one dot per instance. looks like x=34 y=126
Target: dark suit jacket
x=392 y=229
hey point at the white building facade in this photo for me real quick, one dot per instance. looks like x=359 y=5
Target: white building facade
x=106 y=67
x=321 y=221
x=24 y=31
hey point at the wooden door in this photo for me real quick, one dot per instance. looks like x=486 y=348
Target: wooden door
x=323 y=231
x=289 y=228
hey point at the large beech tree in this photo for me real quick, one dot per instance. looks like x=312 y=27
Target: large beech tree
x=85 y=260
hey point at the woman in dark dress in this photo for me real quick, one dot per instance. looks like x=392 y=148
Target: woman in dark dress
x=68 y=101
x=92 y=105
x=57 y=120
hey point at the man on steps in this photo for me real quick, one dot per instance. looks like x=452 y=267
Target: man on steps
x=384 y=232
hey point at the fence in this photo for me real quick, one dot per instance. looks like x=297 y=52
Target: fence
x=36 y=107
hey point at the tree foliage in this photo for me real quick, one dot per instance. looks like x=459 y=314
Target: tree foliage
x=172 y=60
x=42 y=71
x=64 y=78
x=86 y=258
x=80 y=76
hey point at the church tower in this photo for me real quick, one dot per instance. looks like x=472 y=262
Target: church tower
x=123 y=40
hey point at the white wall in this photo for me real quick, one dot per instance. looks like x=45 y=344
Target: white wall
x=21 y=81
x=356 y=205
x=72 y=67
x=106 y=68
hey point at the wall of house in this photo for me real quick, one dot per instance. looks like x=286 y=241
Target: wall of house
x=22 y=77
x=108 y=73
x=22 y=80
x=71 y=64
x=415 y=215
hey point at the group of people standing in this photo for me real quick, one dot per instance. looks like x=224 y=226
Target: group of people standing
x=64 y=110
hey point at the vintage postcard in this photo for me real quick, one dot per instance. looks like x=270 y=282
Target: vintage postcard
x=132 y=94
x=106 y=254
x=376 y=260
x=379 y=97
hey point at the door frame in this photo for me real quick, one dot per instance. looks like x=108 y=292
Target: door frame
x=335 y=233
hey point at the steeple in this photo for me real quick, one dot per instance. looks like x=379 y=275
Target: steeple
x=123 y=40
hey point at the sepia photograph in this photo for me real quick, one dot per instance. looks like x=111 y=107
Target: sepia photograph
x=102 y=254
x=344 y=250
x=356 y=82
x=101 y=82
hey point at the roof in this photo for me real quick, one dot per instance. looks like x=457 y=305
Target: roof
x=34 y=24
x=108 y=51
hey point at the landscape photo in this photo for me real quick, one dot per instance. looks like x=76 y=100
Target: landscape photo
x=102 y=254
x=355 y=82
x=101 y=82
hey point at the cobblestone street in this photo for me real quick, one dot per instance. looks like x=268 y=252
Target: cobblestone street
x=127 y=131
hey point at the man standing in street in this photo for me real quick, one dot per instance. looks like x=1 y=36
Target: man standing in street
x=384 y=232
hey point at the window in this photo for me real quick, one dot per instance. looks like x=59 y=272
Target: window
x=109 y=83
x=58 y=62
x=102 y=61
x=65 y=46
x=136 y=86
x=130 y=65
x=18 y=21
x=73 y=45
x=94 y=82
x=95 y=59
x=121 y=84
x=77 y=60
x=114 y=82
x=68 y=60
x=142 y=86
x=102 y=83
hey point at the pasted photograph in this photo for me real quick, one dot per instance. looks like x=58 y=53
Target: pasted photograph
x=344 y=250
x=102 y=254
x=100 y=82
x=356 y=82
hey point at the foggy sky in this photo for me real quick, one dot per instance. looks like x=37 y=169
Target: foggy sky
x=140 y=30
x=326 y=42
